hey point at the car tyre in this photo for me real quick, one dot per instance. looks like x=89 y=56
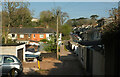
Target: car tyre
x=14 y=73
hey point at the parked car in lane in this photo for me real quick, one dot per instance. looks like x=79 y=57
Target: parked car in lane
x=79 y=38
x=31 y=56
x=76 y=50
x=10 y=65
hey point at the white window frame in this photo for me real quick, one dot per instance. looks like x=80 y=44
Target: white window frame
x=33 y=35
x=29 y=35
x=41 y=35
x=21 y=35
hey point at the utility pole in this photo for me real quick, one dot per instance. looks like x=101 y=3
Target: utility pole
x=57 y=34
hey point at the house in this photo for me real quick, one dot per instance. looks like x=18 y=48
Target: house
x=35 y=20
x=92 y=58
x=17 y=50
x=104 y=21
x=91 y=34
x=30 y=35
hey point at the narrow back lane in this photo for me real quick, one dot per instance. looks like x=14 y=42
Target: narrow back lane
x=70 y=64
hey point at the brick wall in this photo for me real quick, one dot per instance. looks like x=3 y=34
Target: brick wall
x=26 y=38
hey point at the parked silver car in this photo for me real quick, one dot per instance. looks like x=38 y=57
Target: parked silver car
x=10 y=65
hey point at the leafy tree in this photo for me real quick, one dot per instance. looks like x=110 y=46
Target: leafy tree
x=0 y=18
x=72 y=22
x=23 y=18
x=114 y=13
x=11 y=16
x=44 y=40
x=65 y=30
x=80 y=21
x=113 y=25
x=111 y=41
x=49 y=18
x=111 y=29
x=50 y=45
x=5 y=19
x=46 y=17
x=94 y=17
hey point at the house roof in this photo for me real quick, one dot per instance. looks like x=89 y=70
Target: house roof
x=13 y=44
x=30 y=30
x=91 y=30
x=90 y=43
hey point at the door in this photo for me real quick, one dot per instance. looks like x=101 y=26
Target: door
x=8 y=64
x=20 y=54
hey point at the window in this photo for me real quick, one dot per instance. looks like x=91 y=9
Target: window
x=29 y=35
x=21 y=35
x=41 y=36
x=8 y=60
x=13 y=35
x=34 y=35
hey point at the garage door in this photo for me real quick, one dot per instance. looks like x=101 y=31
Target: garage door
x=20 y=54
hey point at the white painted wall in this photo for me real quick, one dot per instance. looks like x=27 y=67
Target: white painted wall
x=8 y=50
x=12 y=50
x=19 y=47
x=47 y=36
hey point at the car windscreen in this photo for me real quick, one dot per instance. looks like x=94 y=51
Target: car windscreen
x=29 y=55
x=17 y=59
x=30 y=49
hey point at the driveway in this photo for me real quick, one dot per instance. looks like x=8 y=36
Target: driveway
x=67 y=65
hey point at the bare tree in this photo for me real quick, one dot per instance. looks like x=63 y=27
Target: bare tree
x=9 y=9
